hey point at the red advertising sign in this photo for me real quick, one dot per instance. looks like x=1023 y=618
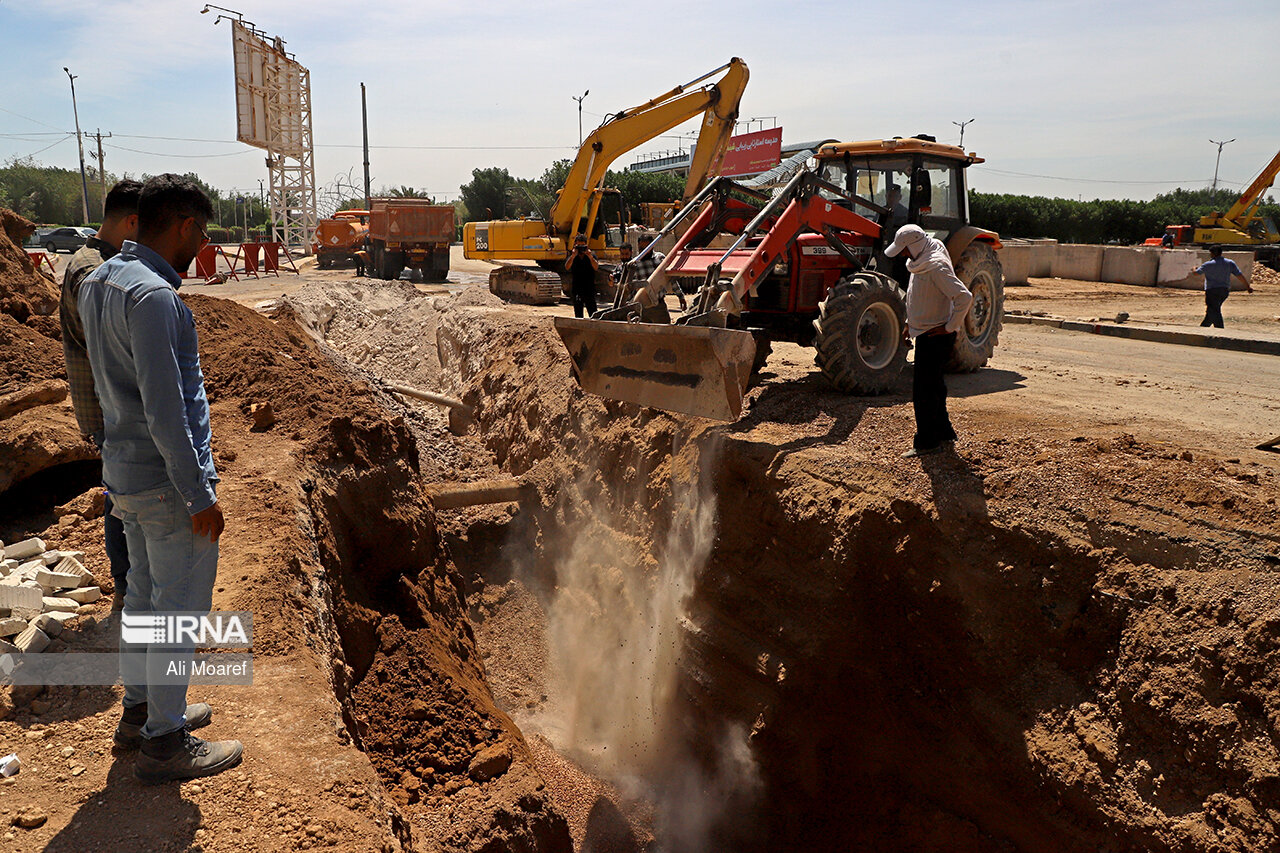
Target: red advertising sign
x=752 y=153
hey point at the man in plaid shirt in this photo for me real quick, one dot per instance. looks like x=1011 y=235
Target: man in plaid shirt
x=119 y=223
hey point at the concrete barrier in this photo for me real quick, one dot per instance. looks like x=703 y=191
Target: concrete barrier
x=1078 y=261
x=1043 y=251
x=1129 y=265
x=1176 y=266
x=1015 y=260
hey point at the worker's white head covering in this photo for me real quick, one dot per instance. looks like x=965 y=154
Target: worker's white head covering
x=908 y=235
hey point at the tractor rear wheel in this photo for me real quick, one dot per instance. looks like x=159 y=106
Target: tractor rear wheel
x=859 y=334
x=979 y=269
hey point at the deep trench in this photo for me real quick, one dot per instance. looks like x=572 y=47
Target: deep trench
x=881 y=663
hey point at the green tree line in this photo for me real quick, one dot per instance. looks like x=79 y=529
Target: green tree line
x=49 y=195
x=1101 y=220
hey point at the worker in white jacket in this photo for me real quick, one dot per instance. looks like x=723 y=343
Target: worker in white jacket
x=937 y=304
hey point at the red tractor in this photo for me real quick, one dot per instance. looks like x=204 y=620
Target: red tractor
x=804 y=265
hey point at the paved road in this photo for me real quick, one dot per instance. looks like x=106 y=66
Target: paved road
x=1194 y=396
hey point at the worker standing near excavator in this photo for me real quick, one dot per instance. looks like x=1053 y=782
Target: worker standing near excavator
x=937 y=304
x=581 y=264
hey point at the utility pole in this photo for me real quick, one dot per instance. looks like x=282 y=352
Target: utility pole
x=364 y=123
x=961 y=124
x=1216 y=162
x=84 y=182
x=580 y=100
x=102 y=175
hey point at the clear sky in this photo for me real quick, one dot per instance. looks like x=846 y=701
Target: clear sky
x=1088 y=98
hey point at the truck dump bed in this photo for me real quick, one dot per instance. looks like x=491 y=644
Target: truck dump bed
x=408 y=221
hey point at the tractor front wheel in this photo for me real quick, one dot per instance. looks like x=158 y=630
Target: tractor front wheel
x=979 y=269
x=859 y=334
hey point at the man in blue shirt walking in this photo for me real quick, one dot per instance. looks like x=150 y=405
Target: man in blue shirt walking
x=158 y=465
x=1218 y=272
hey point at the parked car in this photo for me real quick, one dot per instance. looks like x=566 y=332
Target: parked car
x=66 y=239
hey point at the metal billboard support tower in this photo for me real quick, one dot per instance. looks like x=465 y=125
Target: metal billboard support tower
x=273 y=112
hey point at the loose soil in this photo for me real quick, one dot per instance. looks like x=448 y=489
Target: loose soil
x=1060 y=638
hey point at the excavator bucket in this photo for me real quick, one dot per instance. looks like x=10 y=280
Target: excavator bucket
x=698 y=370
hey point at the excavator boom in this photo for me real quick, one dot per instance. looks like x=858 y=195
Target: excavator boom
x=630 y=128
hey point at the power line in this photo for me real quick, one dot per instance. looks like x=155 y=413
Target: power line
x=28 y=118
x=47 y=147
x=1090 y=180
x=184 y=156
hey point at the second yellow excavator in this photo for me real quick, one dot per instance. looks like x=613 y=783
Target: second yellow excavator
x=577 y=209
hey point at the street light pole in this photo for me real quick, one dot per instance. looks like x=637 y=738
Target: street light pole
x=1216 y=162
x=84 y=182
x=961 y=124
x=580 y=114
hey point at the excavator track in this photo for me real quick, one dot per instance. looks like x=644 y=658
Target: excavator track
x=526 y=285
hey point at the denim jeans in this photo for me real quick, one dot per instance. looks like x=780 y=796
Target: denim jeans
x=170 y=569
x=117 y=547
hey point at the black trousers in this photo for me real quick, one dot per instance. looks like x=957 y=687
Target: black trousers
x=584 y=299
x=929 y=391
x=1213 y=299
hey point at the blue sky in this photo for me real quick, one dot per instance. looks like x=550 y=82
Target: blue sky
x=1071 y=98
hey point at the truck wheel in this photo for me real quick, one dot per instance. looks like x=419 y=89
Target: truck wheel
x=859 y=334
x=979 y=269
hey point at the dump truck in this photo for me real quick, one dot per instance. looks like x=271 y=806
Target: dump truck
x=410 y=233
x=577 y=209
x=804 y=265
x=339 y=237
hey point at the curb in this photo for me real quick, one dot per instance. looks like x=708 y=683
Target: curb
x=1161 y=336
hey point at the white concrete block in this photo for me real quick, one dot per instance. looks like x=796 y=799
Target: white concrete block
x=10 y=626
x=73 y=555
x=16 y=597
x=32 y=640
x=58 y=580
x=50 y=557
x=64 y=605
x=83 y=595
x=70 y=565
x=51 y=623
x=8 y=648
x=26 y=548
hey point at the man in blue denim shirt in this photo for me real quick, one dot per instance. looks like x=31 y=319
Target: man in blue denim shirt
x=158 y=465
x=1218 y=272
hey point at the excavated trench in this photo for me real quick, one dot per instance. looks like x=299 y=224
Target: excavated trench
x=773 y=646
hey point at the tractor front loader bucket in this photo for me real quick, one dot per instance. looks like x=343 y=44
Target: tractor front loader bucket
x=698 y=370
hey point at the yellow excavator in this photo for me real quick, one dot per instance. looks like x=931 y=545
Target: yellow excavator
x=577 y=208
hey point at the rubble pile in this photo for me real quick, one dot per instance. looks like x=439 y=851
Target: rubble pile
x=41 y=589
x=1263 y=274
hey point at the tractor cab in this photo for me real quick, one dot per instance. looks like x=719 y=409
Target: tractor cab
x=906 y=180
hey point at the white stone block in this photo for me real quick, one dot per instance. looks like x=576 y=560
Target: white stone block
x=49 y=558
x=20 y=597
x=83 y=595
x=10 y=626
x=71 y=565
x=57 y=580
x=72 y=555
x=32 y=640
x=65 y=605
x=26 y=548
x=51 y=623
x=8 y=648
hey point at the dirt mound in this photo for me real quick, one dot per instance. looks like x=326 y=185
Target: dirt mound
x=404 y=666
x=24 y=290
x=1263 y=274
x=26 y=356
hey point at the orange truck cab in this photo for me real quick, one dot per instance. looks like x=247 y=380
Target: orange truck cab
x=340 y=237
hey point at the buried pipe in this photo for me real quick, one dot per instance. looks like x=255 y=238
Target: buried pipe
x=455 y=495
x=461 y=416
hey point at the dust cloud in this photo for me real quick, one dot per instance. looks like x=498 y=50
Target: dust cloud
x=614 y=636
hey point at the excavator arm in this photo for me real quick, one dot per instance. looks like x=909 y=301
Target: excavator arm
x=1243 y=211
x=630 y=128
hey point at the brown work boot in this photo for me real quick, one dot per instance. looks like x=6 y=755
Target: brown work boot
x=181 y=755
x=129 y=730
x=117 y=601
